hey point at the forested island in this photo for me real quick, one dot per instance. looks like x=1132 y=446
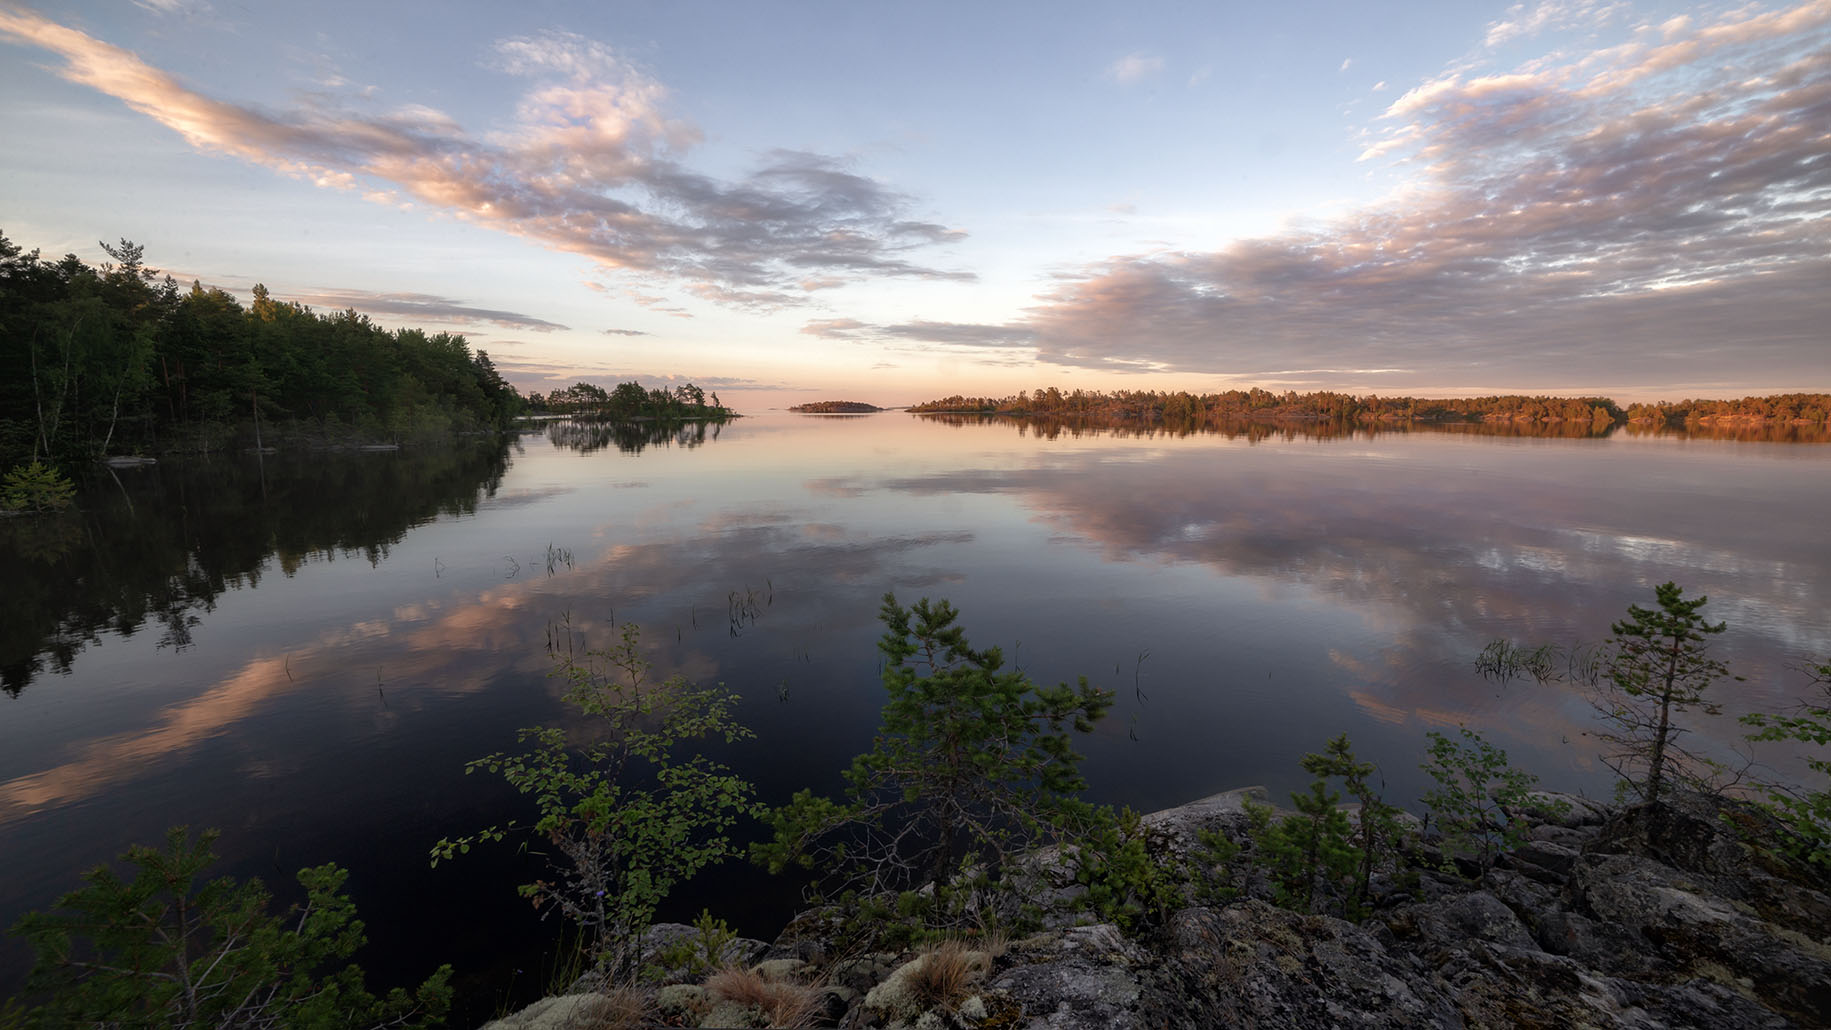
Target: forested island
x=1151 y=406
x=836 y=408
x=631 y=402
x=118 y=360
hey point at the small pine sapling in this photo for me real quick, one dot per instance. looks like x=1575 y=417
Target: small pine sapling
x=1378 y=831
x=1125 y=883
x=1309 y=855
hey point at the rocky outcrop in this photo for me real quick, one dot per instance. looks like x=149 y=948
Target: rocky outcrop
x=1255 y=965
x=1637 y=918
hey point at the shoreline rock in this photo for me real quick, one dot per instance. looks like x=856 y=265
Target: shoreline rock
x=1608 y=918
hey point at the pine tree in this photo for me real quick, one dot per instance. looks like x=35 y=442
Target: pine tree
x=1658 y=665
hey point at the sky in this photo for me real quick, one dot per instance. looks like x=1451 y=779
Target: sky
x=891 y=203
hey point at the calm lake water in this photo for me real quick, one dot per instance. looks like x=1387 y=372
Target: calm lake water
x=306 y=652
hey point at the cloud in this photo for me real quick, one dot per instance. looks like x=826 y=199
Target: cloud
x=591 y=164
x=424 y=307
x=1552 y=15
x=956 y=334
x=1346 y=63
x=658 y=304
x=185 y=8
x=1639 y=215
x=625 y=332
x=959 y=333
x=1133 y=67
x=835 y=328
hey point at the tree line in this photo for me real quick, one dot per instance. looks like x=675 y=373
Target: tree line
x=1780 y=407
x=116 y=358
x=1181 y=407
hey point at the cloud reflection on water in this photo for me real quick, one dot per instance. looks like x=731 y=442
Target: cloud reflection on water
x=439 y=651
x=1441 y=544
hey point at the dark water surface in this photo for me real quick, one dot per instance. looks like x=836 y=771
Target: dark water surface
x=306 y=653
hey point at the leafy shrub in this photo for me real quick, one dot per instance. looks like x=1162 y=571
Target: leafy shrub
x=1476 y=799
x=1806 y=814
x=166 y=949
x=632 y=813
x=1212 y=870
x=1134 y=878
x=972 y=766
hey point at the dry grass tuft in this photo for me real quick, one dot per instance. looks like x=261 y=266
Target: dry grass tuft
x=738 y=984
x=617 y=1008
x=783 y=1004
x=994 y=943
x=947 y=974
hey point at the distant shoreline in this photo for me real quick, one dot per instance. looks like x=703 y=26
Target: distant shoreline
x=1173 y=407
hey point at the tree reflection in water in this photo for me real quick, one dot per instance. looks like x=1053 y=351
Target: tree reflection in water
x=1044 y=427
x=161 y=544
x=588 y=436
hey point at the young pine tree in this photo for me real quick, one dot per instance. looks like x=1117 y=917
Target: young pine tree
x=1657 y=665
x=1378 y=832
x=1308 y=855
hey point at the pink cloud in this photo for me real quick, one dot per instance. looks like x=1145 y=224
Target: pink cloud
x=1133 y=68
x=591 y=165
x=1637 y=215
